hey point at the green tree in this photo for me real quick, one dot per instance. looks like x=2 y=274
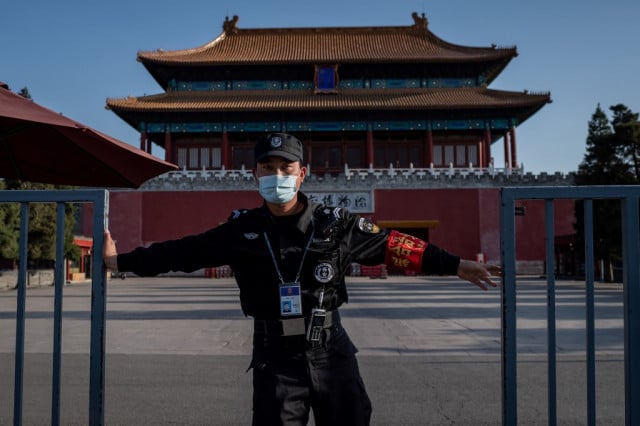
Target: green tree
x=611 y=158
x=42 y=227
x=627 y=138
x=9 y=228
x=24 y=92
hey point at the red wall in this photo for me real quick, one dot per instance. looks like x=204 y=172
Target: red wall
x=489 y=223
x=530 y=228
x=457 y=212
x=141 y=218
x=170 y=215
x=469 y=219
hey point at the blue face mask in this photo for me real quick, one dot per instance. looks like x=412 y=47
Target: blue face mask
x=278 y=189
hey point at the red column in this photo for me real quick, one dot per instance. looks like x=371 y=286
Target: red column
x=168 y=148
x=224 y=152
x=514 y=158
x=479 y=149
x=487 y=146
x=370 y=147
x=428 y=155
x=507 y=157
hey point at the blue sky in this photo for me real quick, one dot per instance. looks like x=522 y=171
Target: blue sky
x=74 y=54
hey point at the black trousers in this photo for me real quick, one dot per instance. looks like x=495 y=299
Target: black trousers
x=290 y=377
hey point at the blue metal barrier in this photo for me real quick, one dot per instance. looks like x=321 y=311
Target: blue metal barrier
x=629 y=196
x=100 y=200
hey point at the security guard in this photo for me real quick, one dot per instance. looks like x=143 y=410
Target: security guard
x=289 y=258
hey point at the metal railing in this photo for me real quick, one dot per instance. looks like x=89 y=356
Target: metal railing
x=629 y=196
x=99 y=198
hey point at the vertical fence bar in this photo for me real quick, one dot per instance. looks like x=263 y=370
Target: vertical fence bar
x=590 y=308
x=508 y=292
x=57 y=314
x=551 y=313
x=631 y=247
x=98 y=308
x=20 y=313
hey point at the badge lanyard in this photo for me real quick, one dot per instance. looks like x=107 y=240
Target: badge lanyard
x=290 y=300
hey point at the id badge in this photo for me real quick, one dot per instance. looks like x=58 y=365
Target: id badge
x=290 y=301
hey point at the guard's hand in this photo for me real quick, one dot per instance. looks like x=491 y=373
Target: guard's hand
x=478 y=273
x=109 y=252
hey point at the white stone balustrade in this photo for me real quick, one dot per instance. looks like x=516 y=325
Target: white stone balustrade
x=361 y=178
x=422 y=173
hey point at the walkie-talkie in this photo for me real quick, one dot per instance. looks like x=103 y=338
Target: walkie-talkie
x=314 y=332
x=316 y=323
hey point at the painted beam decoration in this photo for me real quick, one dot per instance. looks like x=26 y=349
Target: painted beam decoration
x=354 y=201
x=294 y=126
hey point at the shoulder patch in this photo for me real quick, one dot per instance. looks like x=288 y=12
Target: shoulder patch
x=367 y=226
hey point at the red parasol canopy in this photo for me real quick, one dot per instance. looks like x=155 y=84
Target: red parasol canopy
x=40 y=145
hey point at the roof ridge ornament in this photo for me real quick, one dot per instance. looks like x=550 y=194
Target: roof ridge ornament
x=230 y=26
x=420 y=22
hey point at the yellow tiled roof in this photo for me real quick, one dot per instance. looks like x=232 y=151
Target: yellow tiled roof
x=400 y=44
x=346 y=99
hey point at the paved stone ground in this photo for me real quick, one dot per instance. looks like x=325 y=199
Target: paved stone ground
x=177 y=352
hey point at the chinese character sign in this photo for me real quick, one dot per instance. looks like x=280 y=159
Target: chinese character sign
x=356 y=202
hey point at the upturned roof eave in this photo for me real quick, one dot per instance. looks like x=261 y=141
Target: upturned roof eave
x=236 y=47
x=315 y=61
x=488 y=55
x=375 y=34
x=279 y=102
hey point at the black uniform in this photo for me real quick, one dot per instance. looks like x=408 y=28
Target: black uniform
x=290 y=373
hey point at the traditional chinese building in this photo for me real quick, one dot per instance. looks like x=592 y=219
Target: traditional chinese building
x=397 y=124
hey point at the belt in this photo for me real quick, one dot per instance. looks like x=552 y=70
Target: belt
x=291 y=326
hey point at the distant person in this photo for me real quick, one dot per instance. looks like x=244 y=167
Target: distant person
x=289 y=258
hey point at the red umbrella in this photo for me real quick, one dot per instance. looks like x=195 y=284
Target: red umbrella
x=40 y=145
